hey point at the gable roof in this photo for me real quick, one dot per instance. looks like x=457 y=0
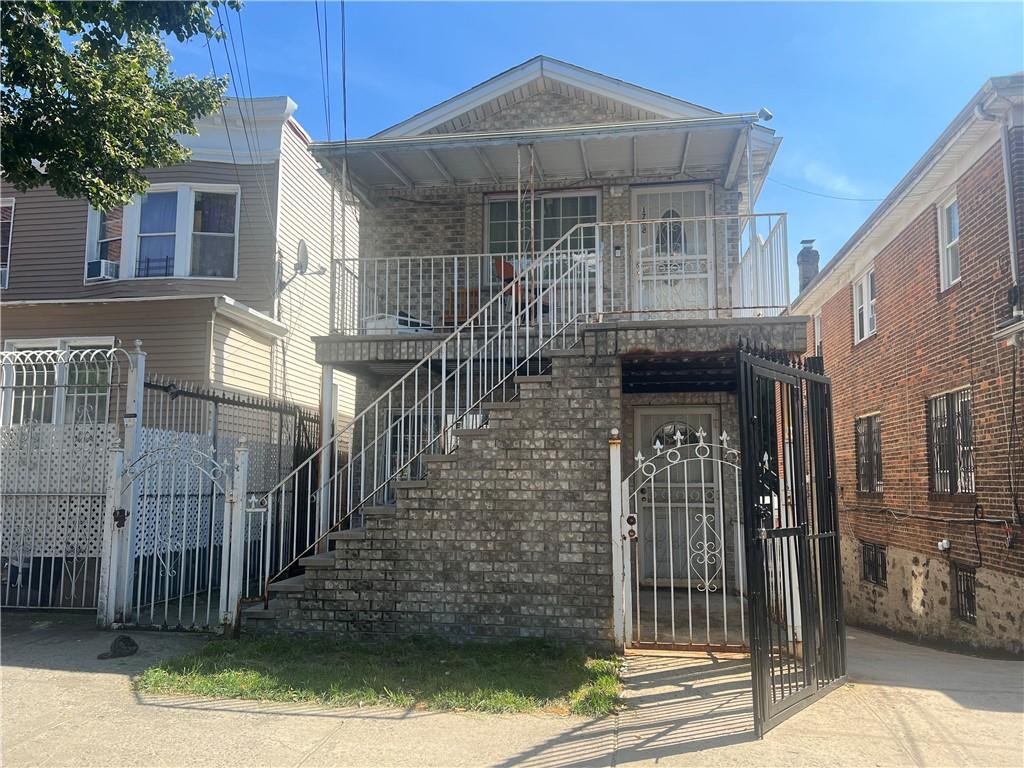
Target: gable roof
x=972 y=131
x=544 y=73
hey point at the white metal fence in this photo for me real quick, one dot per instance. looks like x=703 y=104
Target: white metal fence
x=678 y=545
x=148 y=543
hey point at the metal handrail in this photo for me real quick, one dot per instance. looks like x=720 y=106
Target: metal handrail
x=484 y=365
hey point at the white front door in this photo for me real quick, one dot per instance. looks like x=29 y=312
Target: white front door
x=677 y=521
x=672 y=256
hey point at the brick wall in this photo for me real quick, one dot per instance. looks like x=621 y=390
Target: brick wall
x=508 y=537
x=930 y=341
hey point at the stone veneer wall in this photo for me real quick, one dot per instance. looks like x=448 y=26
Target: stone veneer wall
x=920 y=600
x=508 y=537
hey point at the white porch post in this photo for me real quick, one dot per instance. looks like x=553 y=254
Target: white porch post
x=618 y=543
x=133 y=403
x=327 y=415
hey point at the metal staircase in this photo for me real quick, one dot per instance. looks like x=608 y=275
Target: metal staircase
x=538 y=311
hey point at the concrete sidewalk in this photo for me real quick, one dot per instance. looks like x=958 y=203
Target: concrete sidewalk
x=906 y=706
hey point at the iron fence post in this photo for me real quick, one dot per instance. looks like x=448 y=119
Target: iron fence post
x=113 y=556
x=327 y=413
x=233 y=554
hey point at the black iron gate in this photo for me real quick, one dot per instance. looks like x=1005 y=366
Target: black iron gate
x=798 y=646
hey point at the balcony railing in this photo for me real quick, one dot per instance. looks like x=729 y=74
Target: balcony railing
x=685 y=268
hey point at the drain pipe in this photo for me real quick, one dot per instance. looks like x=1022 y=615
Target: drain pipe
x=1011 y=215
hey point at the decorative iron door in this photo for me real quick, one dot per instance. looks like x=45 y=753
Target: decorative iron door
x=798 y=650
x=673 y=251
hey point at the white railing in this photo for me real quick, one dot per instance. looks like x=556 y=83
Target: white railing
x=538 y=310
x=681 y=268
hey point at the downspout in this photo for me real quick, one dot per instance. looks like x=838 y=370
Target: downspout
x=1011 y=215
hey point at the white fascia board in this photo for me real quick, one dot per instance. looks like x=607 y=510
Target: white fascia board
x=541 y=66
x=248 y=317
x=254 y=127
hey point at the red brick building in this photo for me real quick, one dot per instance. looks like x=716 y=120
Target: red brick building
x=919 y=319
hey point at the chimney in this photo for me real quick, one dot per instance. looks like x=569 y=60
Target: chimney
x=807 y=263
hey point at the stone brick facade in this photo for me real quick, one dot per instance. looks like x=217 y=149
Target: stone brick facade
x=931 y=341
x=507 y=537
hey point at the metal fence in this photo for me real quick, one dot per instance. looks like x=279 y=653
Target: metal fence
x=63 y=414
x=61 y=411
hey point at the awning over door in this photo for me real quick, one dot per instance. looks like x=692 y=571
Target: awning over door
x=700 y=148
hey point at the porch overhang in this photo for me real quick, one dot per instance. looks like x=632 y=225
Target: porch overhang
x=700 y=148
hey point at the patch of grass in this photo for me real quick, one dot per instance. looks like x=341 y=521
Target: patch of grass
x=521 y=676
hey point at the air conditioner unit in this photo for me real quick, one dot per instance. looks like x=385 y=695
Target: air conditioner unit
x=102 y=269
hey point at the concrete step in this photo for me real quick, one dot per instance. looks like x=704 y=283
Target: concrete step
x=294 y=584
x=349 y=535
x=400 y=484
x=502 y=405
x=534 y=378
x=256 y=611
x=323 y=560
x=379 y=511
x=474 y=432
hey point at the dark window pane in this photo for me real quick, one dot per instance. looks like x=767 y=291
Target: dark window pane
x=156 y=256
x=213 y=256
x=588 y=206
x=214 y=212
x=571 y=207
x=110 y=250
x=111 y=224
x=159 y=212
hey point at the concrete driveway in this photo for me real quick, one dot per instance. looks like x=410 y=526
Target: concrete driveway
x=905 y=706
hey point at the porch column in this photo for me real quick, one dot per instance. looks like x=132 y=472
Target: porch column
x=328 y=412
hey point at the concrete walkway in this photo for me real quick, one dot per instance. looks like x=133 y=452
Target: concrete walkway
x=906 y=706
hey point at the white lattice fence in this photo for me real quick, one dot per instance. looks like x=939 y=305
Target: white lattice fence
x=53 y=490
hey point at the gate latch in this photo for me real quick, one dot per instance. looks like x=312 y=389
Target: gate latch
x=120 y=516
x=762 y=534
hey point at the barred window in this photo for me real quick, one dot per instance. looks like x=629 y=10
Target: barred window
x=873 y=563
x=951 y=443
x=966 y=603
x=868 y=430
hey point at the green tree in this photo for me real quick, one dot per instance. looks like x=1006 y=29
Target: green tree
x=88 y=97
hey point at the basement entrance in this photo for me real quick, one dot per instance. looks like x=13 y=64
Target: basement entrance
x=730 y=542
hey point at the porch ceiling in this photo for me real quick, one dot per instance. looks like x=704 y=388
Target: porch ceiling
x=699 y=148
x=703 y=372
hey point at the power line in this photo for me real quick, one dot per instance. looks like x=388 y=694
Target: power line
x=822 y=194
x=325 y=66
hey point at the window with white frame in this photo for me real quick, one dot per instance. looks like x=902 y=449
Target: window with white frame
x=949 y=243
x=174 y=230
x=864 y=306
x=554 y=215
x=6 y=230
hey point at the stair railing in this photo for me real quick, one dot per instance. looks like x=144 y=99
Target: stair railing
x=540 y=309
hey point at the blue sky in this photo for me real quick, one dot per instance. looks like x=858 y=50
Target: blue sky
x=859 y=91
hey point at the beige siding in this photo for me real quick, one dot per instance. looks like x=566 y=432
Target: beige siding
x=240 y=359
x=173 y=332
x=305 y=303
x=49 y=240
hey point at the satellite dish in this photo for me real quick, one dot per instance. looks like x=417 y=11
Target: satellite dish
x=301 y=258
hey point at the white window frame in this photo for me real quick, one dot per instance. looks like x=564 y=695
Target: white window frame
x=538 y=200
x=818 y=346
x=945 y=282
x=5 y=272
x=863 y=285
x=182 y=232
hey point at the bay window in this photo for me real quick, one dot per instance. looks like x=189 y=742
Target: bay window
x=174 y=230
x=6 y=230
